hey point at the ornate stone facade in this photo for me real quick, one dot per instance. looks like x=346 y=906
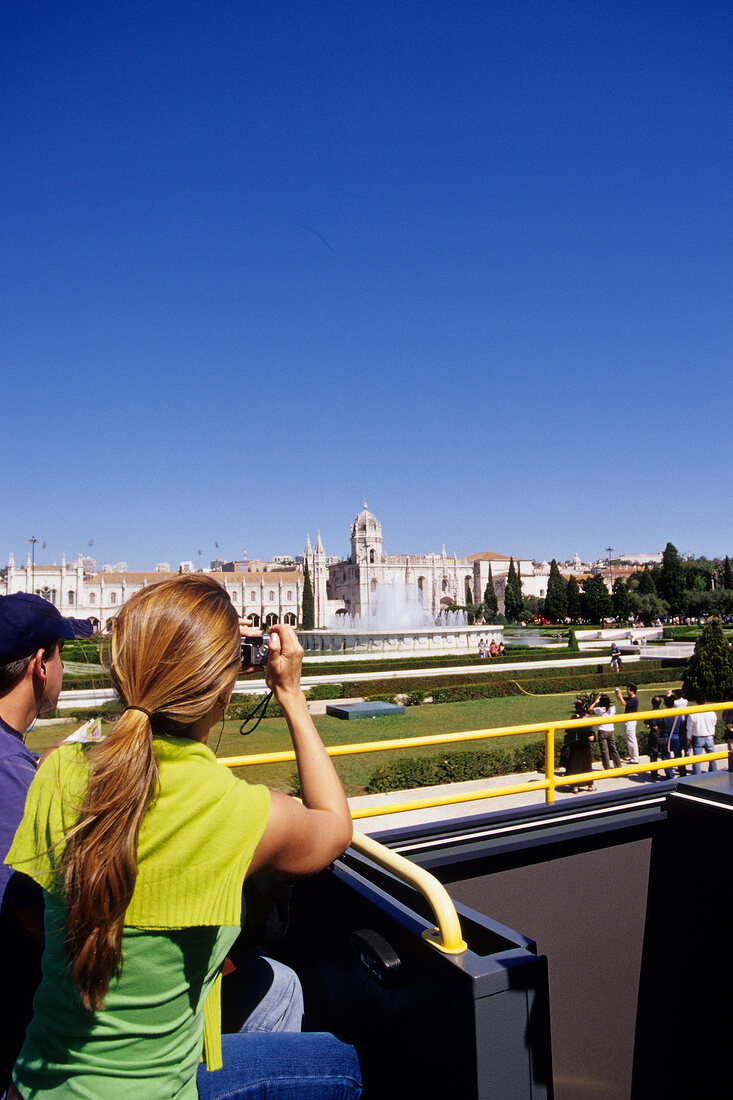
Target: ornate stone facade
x=273 y=592
x=345 y=587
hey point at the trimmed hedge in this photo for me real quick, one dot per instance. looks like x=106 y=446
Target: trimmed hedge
x=447 y=689
x=406 y=772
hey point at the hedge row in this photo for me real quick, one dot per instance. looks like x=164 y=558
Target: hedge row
x=446 y=690
x=406 y=772
x=429 y=771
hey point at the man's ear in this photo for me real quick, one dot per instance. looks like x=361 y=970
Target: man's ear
x=37 y=666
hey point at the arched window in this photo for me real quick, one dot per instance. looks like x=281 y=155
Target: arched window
x=252 y=596
x=289 y=618
x=271 y=619
x=92 y=598
x=371 y=557
x=113 y=597
x=255 y=620
x=272 y=595
x=70 y=599
x=290 y=595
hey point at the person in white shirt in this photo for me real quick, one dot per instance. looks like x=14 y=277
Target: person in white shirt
x=701 y=732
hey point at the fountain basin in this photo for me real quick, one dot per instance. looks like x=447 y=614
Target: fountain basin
x=395 y=643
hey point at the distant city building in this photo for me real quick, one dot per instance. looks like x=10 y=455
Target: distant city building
x=272 y=592
x=344 y=586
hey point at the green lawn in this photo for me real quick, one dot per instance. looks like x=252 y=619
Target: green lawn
x=430 y=719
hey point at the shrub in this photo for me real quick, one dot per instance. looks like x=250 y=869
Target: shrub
x=429 y=771
x=325 y=691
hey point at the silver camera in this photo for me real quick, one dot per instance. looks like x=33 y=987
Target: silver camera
x=255 y=650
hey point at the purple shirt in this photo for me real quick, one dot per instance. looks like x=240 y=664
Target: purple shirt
x=17 y=768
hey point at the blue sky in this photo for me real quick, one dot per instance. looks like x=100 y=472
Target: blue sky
x=262 y=261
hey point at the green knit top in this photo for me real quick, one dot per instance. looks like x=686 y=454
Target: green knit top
x=195 y=845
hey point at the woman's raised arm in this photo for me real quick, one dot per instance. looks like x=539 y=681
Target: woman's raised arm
x=301 y=838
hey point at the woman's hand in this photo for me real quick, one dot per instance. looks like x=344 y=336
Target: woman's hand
x=284 y=662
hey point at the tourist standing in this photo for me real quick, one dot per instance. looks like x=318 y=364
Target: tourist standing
x=615 y=658
x=606 y=738
x=631 y=705
x=578 y=744
x=701 y=728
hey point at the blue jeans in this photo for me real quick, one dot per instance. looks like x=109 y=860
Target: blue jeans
x=699 y=746
x=282 y=1066
x=261 y=995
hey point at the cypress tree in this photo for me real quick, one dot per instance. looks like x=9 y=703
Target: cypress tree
x=727 y=574
x=556 y=601
x=308 y=614
x=709 y=673
x=620 y=599
x=491 y=604
x=513 y=602
x=596 y=600
x=647 y=587
x=672 y=580
x=572 y=595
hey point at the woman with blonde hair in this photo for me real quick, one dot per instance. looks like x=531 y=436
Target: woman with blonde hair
x=142 y=843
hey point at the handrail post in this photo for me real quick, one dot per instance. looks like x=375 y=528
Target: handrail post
x=550 y=763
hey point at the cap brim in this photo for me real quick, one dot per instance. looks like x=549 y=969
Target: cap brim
x=74 y=628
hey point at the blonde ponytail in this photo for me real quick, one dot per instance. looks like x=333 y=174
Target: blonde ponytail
x=174 y=652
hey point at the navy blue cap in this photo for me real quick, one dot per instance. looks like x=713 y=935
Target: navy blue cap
x=29 y=623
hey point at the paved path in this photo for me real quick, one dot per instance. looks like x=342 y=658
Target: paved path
x=388 y=822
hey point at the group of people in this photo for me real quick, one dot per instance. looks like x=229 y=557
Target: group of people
x=491 y=649
x=670 y=736
x=125 y=860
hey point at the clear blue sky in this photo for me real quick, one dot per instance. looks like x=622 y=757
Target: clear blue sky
x=263 y=260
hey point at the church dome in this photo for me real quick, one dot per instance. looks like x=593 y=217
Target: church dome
x=364 y=522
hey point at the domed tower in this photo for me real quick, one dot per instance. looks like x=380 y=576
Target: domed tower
x=366 y=539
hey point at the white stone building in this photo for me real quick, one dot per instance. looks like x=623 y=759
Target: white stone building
x=272 y=592
x=271 y=596
x=344 y=587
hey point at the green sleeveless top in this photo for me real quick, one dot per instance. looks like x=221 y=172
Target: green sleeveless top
x=195 y=845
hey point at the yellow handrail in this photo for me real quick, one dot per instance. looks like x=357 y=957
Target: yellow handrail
x=550 y=781
x=447 y=936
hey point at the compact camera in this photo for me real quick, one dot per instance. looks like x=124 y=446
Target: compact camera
x=255 y=650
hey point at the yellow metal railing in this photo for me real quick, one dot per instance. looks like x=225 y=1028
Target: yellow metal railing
x=548 y=784
x=447 y=935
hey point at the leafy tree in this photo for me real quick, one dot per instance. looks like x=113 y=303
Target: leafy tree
x=513 y=602
x=672 y=580
x=572 y=595
x=620 y=597
x=491 y=604
x=556 y=601
x=596 y=601
x=308 y=613
x=709 y=673
x=647 y=608
x=533 y=605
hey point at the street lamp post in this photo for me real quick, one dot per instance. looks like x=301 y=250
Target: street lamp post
x=33 y=542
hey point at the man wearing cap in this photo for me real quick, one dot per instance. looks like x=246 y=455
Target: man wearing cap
x=32 y=634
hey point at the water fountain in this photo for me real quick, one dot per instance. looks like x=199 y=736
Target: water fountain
x=397 y=623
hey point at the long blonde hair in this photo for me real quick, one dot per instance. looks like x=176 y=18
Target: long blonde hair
x=175 y=654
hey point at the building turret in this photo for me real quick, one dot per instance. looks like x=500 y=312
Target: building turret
x=366 y=539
